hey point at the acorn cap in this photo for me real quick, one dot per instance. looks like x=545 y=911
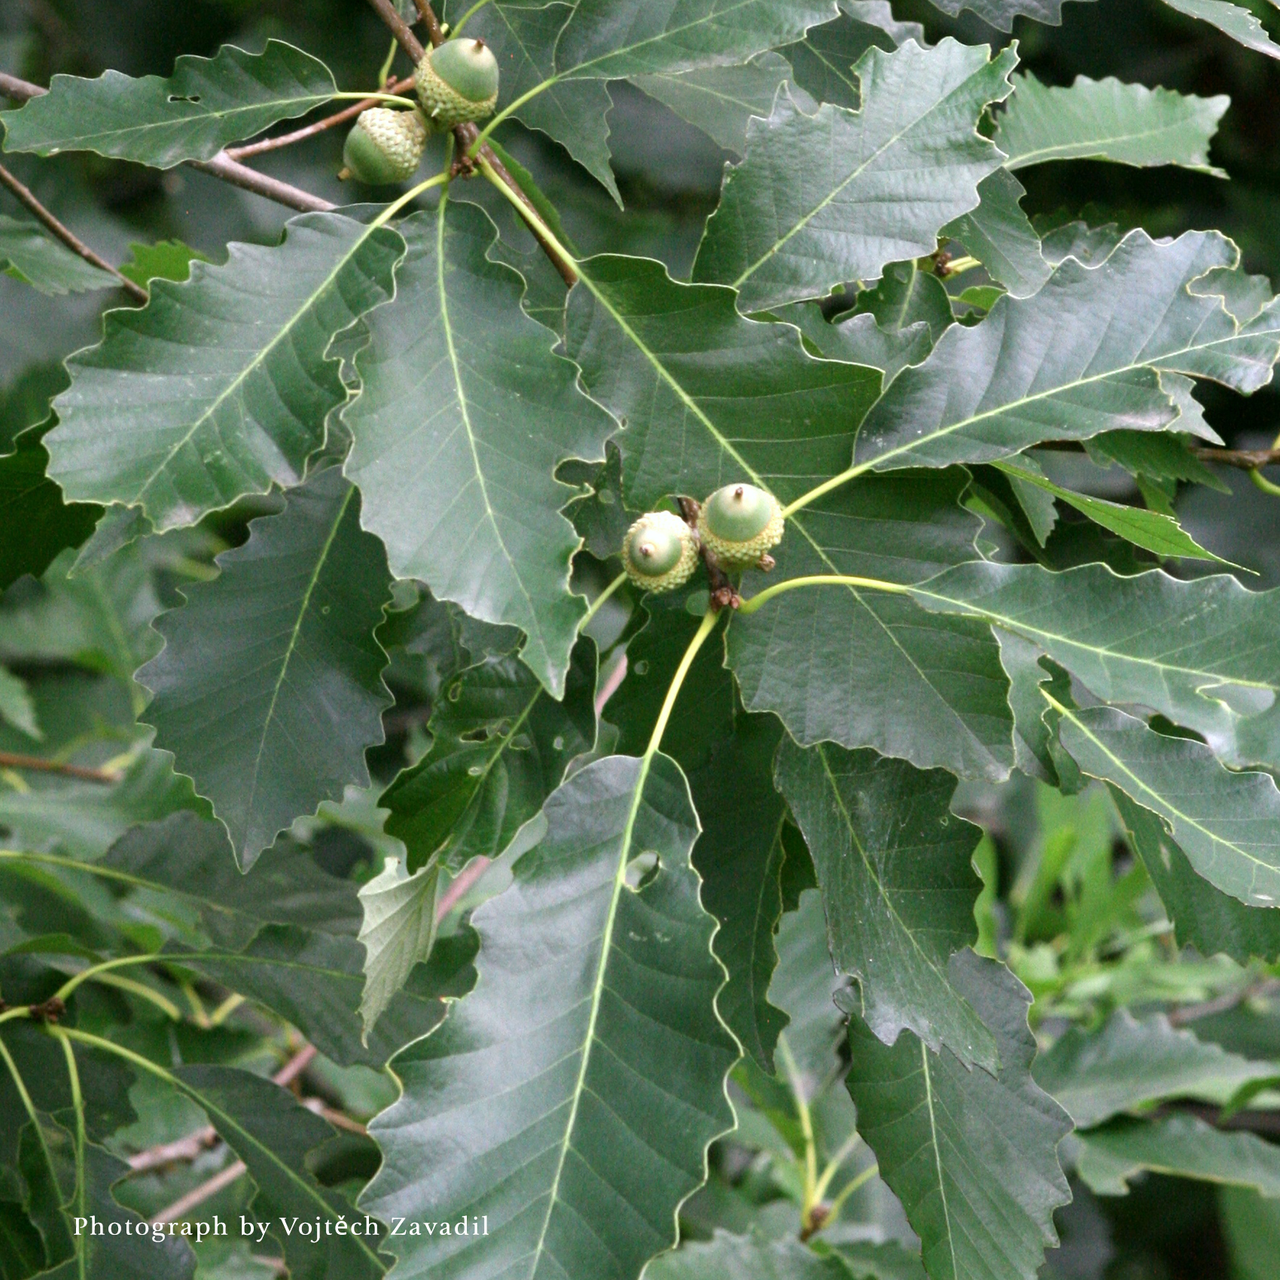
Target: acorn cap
x=740 y=523
x=659 y=552
x=458 y=82
x=385 y=146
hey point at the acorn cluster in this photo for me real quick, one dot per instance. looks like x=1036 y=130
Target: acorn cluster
x=739 y=523
x=456 y=82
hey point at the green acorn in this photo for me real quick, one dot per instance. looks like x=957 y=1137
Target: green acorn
x=659 y=552
x=384 y=146
x=740 y=523
x=458 y=82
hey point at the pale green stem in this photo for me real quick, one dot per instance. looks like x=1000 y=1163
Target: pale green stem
x=21 y=1085
x=1261 y=481
x=709 y=620
x=226 y=1009
x=375 y=97
x=600 y=599
x=466 y=17
x=22 y=1011
x=77 y=1102
x=834 y=483
x=385 y=73
x=412 y=194
x=806 y=1127
x=141 y=990
x=850 y=1187
x=819 y=580
x=961 y=265
x=120 y=962
x=532 y=218
x=474 y=149
x=833 y=1166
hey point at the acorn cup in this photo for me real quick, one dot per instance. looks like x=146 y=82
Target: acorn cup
x=384 y=146
x=457 y=82
x=659 y=552
x=739 y=523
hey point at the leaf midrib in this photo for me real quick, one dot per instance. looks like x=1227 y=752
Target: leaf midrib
x=884 y=897
x=303 y=608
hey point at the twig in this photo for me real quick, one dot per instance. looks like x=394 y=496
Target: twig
x=435 y=32
x=400 y=29
x=27 y=198
x=309 y=131
x=220 y=166
x=610 y=686
x=1246 y=459
x=198 y=1195
x=466 y=878
x=1221 y=1004
x=723 y=594
x=37 y=764
x=239 y=175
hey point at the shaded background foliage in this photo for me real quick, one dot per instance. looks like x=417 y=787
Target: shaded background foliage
x=669 y=178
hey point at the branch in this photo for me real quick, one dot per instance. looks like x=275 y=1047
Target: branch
x=19 y=90
x=309 y=131
x=26 y=197
x=37 y=764
x=239 y=175
x=429 y=20
x=722 y=590
x=1246 y=459
x=400 y=29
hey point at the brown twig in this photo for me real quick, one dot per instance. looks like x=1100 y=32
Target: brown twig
x=19 y=90
x=466 y=878
x=198 y=1195
x=37 y=764
x=26 y=197
x=723 y=594
x=309 y=131
x=1221 y=1004
x=1246 y=459
x=400 y=29
x=429 y=20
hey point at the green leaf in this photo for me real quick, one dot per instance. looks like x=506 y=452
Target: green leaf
x=611 y=39
x=1108 y=120
x=34 y=256
x=1180 y=1146
x=164 y=260
x=31 y=502
x=187 y=857
x=1157 y=533
x=972 y=1157
x=721 y=100
x=1234 y=20
x=895 y=870
x=867 y=668
x=1228 y=823
x=273 y=1133
x=269 y=687
x=465 y=413
x=220 y=386
x=887 y=1261
x=905 y=297
x=206 y=104
x=1001 y=13
x=500 y=746
x=872 y=186
x=727 y=1257
x=1159 y=455
x=16 y=707
x=1128 y=1064
x=1001 y=237
x=1204 y=917
x=859 y=338
x=1203 y=653
x=825 y=58
x=1092 y=351
x=707 y=396
x=315 y=980
x=804 y=986
x=572 y=1095
x=399 y=930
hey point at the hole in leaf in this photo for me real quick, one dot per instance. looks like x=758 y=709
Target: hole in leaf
x=642 y=869
x=180 y=97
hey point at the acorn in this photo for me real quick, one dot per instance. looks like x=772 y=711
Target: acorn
x=384 y=146
x=740 y=523
x=457 y=82
x=659 y=552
